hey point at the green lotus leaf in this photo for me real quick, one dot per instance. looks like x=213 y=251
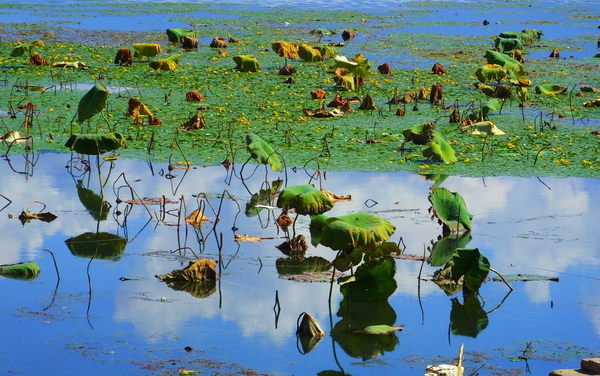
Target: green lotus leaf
x=247 y=63
x=304 y=199
x=420 y=134
x=92 y=103
x=148 y=50
x=451 y=210
x=327 y=51
x=469 y=319
x=440 y=150
x=533 y=33
x=472 y=265
x=346 y=81
x=291 y=266
x=378 y=330
x=101 y=245
x=508 y=44
x=21 y=49
x=24 y=271
x=262 y=198
x=358 y=65
x=509 y=63
x=176 y=34
x=491 y=72
x=166 y=64
x=347 y=260
x=286 y=49
x=550 y=89
x=372 y=282
x=322 y=31
x=95 y=144
x=492 y=105
x=487 y=90
x=93 y=202
x=344 y=62
x=309 y=53
x=383 y=250
x=357 y=230
x=262 y=152
x=443 y=250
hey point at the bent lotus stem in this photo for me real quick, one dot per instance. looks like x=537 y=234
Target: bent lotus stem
x=502 y=278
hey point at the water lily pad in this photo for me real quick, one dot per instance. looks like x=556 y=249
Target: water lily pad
x=305 y=199
x=24 y=271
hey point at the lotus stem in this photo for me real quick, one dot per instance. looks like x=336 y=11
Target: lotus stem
x=502 y=278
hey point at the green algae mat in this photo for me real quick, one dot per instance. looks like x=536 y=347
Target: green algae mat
x=324 y=90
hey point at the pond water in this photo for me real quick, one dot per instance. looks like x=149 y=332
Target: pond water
x=113 y=316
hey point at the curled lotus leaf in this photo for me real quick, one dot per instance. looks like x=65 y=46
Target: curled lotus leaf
x=167 y=64
x=176 y=34
x=247 y=63
x=351 y=231
x=508 y=44
x=92 y=103
x=550 y=89
x=24 y=271
x=305 y=199
x=472 y=265
x=98 y=245
x=95 y=144
x=309 y=53
x=262 y=152
x=491 y=72
x=440 y=150
x=285 y=49
x=148 y=50
x=516 y=69
x=197 y=270
x=451 y=210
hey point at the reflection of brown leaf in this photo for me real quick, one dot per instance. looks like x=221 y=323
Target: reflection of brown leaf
x=27 y=216
x=295 y=247
x=197 y=270
x=335 y=197
x=247 y=238
x=284 y=221
x=196 y=219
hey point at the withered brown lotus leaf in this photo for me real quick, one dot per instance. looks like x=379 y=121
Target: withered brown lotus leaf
x=385 y=68
x=437 y=92
x=37 y=59
x=455 y=116
x=400 y=112
x=518 y=56
x=555 y=54
x=285 y=49
x=218 y=42
x=337 y=102
x=289 y=80
x=408 y=97
x=196 y=218
x=136 y=108
x=347 y=108
x=422 y=94
x=438 y=69
x=295 y=247
x=189 y=42
x=154 y=120
x=348 y=35
x=308 y=326
x=318 y=94
x=197 y=270
x=194 y=96
x=195 y=122
x=284 y=221
x=503 y=92
x=234 y=40
x=124 y=57
x=287 y=70
x=367 y=103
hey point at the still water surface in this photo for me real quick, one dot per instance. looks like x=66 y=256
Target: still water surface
x=95 y=323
